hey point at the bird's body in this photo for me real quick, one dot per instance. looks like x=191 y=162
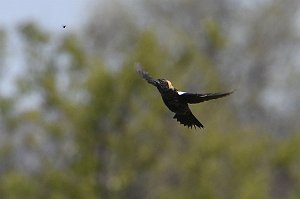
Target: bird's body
x=177 y=101
x=171 y=99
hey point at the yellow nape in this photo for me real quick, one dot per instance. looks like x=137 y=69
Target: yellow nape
x=170 y=84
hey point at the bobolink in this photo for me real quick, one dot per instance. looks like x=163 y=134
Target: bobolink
x=177 y=101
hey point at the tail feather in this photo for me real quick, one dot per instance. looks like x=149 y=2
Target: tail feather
x=188 y=119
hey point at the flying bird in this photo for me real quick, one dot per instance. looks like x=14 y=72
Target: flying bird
x=64 y=26
x=177 y=101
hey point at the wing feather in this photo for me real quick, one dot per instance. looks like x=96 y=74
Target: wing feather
x=145 y=75
x=188 y=119
x=193 y=98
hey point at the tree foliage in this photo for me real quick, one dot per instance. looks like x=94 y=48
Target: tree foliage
x=84 y=125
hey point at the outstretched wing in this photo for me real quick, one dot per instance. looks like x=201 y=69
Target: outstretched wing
x=145 y=75
x=188 y=119
x=193 y=98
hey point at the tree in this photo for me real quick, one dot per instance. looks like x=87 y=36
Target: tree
x=82 y=124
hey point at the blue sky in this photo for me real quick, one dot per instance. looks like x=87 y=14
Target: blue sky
x=48 y=13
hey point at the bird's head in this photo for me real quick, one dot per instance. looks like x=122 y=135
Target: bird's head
x=165 y=84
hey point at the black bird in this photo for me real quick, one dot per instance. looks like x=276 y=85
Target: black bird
x=177 y=101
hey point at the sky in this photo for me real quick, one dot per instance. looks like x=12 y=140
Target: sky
x=48 y=14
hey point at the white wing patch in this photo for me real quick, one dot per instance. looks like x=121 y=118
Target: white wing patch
x=180 y=92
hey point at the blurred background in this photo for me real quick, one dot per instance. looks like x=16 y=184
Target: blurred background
x=77 y=122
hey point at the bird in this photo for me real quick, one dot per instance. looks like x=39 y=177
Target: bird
x=64 y=26
x=178 y=101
